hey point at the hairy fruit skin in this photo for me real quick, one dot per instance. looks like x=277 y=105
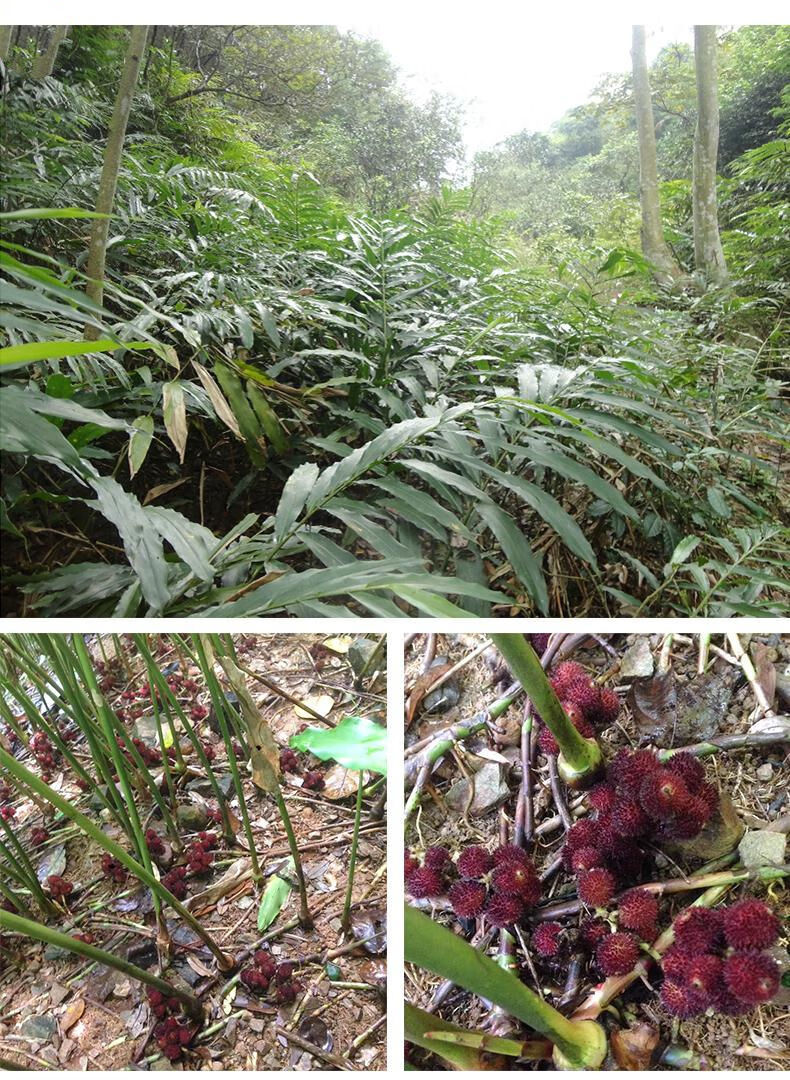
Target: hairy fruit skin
x=704 y=975
x=585 y=858
x=617 y=954
x=750 y=924
x=596 y=887
x=593 y=930
x=510 y=853
x=436 y=857
x=638 y=911
x=602 y=797
x=663 y=794
x=546 y=938
x=586 y=697
x=424 y=882
x=689 y=768
x=584 y=833
x=474 y=862
x=751 y=977
x=503 y=910
x=698 y=929
x=467 y=898
x=608 y=708
x=680 y=1000
x=565 y=674
x=514 y=879
x=628 y=818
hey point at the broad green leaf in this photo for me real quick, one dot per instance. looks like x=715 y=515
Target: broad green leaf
x=248 y=422
x=50 y=212
x=356 y=742
x=682 y=552
x=717 y=500
x=221 y=407
x=22 y=431
x=520 y=555
x=275 y=896
x=175 y=416
x=192 y=542
x=271 y=425
x=140 y=441
x=292 y=501
x=54 y=350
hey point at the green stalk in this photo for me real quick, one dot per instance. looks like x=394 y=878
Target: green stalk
x=24 y=776
x=220 y=705
x=464 y=1050
x=579 y=761
x=345 y=921
x=63 y=941
x=578 y=1044
x=305 y=918
x=24 y=868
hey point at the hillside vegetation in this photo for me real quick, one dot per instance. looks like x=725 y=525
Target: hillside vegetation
x=324 y=380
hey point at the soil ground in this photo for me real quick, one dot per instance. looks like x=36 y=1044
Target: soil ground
x=59 y=1012
x=757 y=779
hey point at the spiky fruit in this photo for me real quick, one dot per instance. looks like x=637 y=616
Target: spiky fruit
x=581 y=693
x=539 y=642
x=546 y=938
x=626 y=860
x=596 y=887
x=688 y=823
x=676 y=961
x=729 y=1004
x=690 y=768
x=617 y=954
x=467 y=898
x=593 y=930
x=638 y=910
x=564 y=675
x=516 y=879
x=437 y=858
x=584 y=833
x=698 y=929
x=423 y=882
x=474 y=862
x=504 y=909
x=709 y=795
x=750 y=924
x=265 y=963
x=628 y=818
x=663 y=794
x=602 y=797
x=704 y=975
x=409 y=863
x=608 y=707
x=628 y=770
x=547 y=744
x=585 y=858
x=510 y=853
x=680 y=1000
x=752 y=977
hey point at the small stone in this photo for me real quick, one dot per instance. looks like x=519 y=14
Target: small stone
x=762 y=847
x=40 y=1028
x=359 y=654
x=637 y=662
x=257 y=1025
x=765 y=772
x=490 y=790
x=191 y=818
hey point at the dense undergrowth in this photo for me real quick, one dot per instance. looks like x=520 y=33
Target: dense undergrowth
x=321 y=411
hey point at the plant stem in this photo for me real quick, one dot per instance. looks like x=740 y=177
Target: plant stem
x=345 y=921
x=305 y=918
x=63 y=941
x=579 y=761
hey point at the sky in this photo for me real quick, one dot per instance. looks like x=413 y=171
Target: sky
x=523 y=77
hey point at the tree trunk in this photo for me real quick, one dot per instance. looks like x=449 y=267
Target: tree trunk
x=44 y=64
x=97 y=249
x=654 y=246
x=708 y=253
x=5 y=42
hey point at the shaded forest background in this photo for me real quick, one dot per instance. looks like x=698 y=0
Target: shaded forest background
x=363 y=375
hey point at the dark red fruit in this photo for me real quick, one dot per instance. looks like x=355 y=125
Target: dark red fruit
x=704 y=975
x=59 y=887
x=596 y=887
x=608 y=708
x=153 y=841
x=289 y=762
x=517 y=879
x=467 y=898
x=564 y=674
x=593 y=930
x=474 y=862
x=690 y=768
x=628 y=818
x=113 y=868
x=602 y=797
x=638 y=910
x=586 y=697
x=585 y=833
x=546 y=938
x=504 y=909
x=175 y=882
x=750 y=924
x=38 y=836
x=698 y=929
x=313 y=780
x=629 y=769
x=663 y=794
x=424 y=882
x=680 y=1000
x=752 y=977
x=510 y=853
x=585 y=858
x=409 y=863
x=436 y=857
x=617 y=954
x=547 y=743
x=265 y=963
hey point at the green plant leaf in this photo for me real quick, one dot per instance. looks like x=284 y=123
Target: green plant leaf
x=356 y=742
x=140 y=441
x=275 y=896
x=518 y=551
x=175 y=416
x=54 y=350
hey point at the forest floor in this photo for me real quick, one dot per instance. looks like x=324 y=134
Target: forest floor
x=58 y=1011
x=454 y=815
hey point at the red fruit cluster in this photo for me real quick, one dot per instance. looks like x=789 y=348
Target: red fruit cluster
x=716 y=961
x=267 y=974
x=8 y=812
x=38 y=836
x=617 y=953
x=638 y=911
x=59 y=887
x=313 y=780
x=175 y=882
x=585 y=705
x=501 y=885
x=546 y=938
x=409 y=863
x=113 y=868
x=173 y=1036
x=44 y=753
x=209 y=750
x=436 y=857
x=199 y=855
x=87 y=937
x=198 y=712
x=153 y=841
x=149 y=755
x=160 y=1004
x=215 y=815
x=289 y=761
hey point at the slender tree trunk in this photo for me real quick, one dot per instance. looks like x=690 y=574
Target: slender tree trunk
x=708 y=253
x=654 y=246
x=5 y=42
x=113 y=152
x=44 y=64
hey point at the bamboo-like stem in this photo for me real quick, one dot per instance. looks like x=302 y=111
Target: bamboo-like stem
x=345 y=921
x=25 y=869
x=579 y=761
x=20 y=773
x=704 y=650
x=63 y=941
x=305 y=918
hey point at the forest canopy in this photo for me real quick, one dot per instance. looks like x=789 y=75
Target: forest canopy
x=309 y=360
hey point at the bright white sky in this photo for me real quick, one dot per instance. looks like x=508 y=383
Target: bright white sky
x=524 y=77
